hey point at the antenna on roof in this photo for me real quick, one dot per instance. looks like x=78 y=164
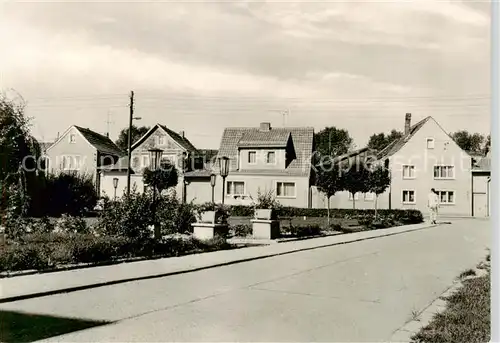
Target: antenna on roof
x=108 y=122
x=284 y=113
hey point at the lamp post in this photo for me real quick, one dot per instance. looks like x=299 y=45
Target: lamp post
x=213 y=178
x=154 y=160
x=129 y=144
x=115 y=184
x=224 y=171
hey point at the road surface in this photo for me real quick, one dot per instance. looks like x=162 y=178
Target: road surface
x=355 y=292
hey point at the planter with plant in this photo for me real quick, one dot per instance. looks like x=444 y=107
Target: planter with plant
x=211 y=221
x=265 y=224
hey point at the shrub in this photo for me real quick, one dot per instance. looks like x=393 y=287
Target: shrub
x=266 y=201
x=68 y=193
x=303 y=231
x=16 y=257
x=242 y=230
x=70 y=224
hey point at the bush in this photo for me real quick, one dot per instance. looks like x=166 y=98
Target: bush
x=68 y=193
x=303 y=231
x=401 y=216
x=242 y=230
x=70 y=224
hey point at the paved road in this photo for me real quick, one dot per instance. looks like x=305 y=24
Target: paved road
x=356 y=292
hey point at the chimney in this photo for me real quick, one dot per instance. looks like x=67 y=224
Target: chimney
x=407 y=123
x=181 y=133
x=265 y=126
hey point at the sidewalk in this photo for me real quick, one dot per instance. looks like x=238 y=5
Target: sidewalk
x=37 y=285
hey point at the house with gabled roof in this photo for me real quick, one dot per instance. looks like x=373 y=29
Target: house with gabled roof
x=266 y=159
x=83 y=151
x=176 y=148
x=427 y=157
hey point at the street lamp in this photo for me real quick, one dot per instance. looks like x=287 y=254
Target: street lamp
x=115 y=184
x=154 y=160
x=129 y=144
x=224 y=171
x=213 y=178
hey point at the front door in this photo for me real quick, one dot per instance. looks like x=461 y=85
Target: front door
x=480 y=205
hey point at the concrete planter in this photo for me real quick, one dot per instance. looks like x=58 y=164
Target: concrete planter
x=208 y=226
x=265 y=229
x=265 y=214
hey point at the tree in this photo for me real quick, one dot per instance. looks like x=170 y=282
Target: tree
x=355 y=176
x=137 y=133
x=487 y=145
x=378 y=182
x=163 y=178
x=467 y=141
x=19 y=152
x=329 y=181
x=381 y=140
x=332 y=141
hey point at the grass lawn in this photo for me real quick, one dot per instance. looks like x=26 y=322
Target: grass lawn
x=466 y=318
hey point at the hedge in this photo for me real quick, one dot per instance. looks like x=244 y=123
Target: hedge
x=49 y=251
x=402 y=216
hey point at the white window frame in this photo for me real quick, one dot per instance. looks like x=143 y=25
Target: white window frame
x=447 y=191
x=410 y=167
x=408 y=202
x=72 y=138
x=267 y=157
x=446 y=177
x=356 y=196
x=161 y=140
x=430 y=140
x=371 y=196
x=235 y=181
x=286 y=196
x=248 y=157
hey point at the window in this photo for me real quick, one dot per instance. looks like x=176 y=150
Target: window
x=235 y=188
x=145 y=161
x=444 y=172
x=408 y=172
x=369 y=196
x=252 y=157
x=408 y=197
x=271 y=157
x=356 y=196
x=285 y=189
x=430 y=143
x=446 y=197
x=162 y=140
x=72 y=138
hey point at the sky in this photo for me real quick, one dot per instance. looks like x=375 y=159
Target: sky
x=201 y=66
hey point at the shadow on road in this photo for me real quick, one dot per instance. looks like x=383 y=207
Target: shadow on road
x=26 y=327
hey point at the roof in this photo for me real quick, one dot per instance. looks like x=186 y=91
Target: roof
x=268 y=139
x=199 y=173
x=182 y=141
x=302 y=138
x=396 y=145
x=367 y=151
x=100 y=142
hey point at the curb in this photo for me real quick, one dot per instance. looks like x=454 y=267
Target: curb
x=189 y=270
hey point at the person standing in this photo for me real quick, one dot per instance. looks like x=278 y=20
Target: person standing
x=433 y=204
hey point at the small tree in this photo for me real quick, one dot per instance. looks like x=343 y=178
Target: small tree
x=356 y=179
x=329 y=181
x=163 y=178
x=378 y=182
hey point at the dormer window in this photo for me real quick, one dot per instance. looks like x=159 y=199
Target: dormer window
x=72 y=138
x=271 y=157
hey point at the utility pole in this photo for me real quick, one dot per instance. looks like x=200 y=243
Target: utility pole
x=129 y=145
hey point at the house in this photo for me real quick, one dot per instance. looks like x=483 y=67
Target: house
x=266 y=159
x=427 y=157
x=481 y=186
x=83 y=151
x=175 y=147
x=197 y=179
